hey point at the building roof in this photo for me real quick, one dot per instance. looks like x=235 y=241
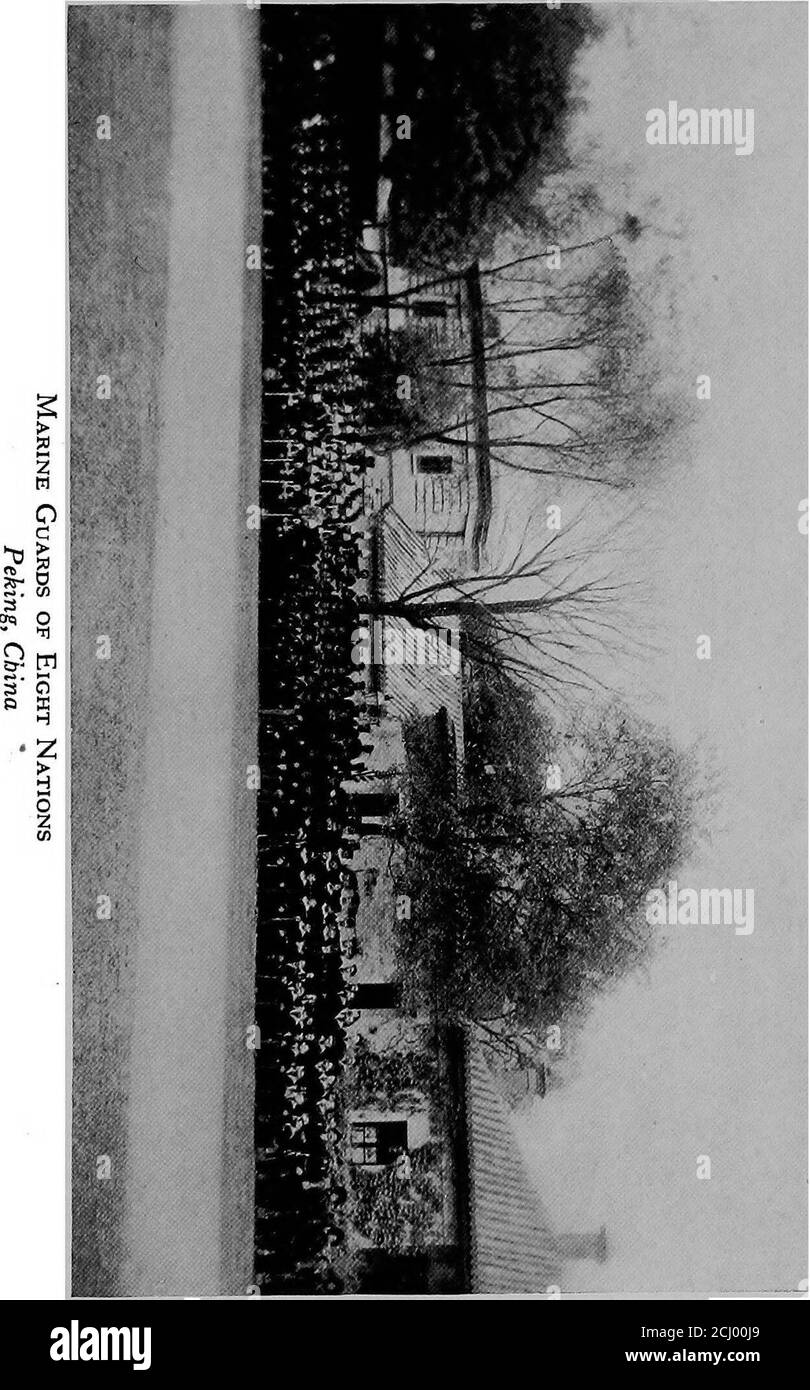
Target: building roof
x=513 y=1249
x=399 y=566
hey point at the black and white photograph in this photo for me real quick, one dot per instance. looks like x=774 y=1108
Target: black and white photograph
x=437 y=650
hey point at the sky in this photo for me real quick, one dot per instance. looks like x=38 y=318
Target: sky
x=704 y=1053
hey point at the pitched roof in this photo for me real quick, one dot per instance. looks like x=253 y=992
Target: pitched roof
x=399 y=566
x=512 y=1246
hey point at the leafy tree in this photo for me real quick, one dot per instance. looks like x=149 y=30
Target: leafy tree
x=528 y=897
x=487 y=89
x=403 y=393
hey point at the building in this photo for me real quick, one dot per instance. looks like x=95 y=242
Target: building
x=441 y=487
x=456 y=1210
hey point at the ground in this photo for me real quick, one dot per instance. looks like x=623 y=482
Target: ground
x=163 y=733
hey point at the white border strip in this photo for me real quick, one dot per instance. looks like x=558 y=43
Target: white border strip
x=33 y=984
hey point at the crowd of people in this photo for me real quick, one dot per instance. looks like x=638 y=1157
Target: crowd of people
x=313 y=734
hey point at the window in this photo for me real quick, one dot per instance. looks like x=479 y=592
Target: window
x=379 y=1142
x=429 y=309
x=370 y=807
x=386 y=994
x=434 y=463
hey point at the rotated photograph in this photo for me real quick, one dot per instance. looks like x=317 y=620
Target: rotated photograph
x=438 y=649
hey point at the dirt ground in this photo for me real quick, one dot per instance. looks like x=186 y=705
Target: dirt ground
x=161 y=563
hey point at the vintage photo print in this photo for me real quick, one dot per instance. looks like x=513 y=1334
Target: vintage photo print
x=438 y=649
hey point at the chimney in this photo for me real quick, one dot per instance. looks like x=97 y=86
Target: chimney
x=587 y=1245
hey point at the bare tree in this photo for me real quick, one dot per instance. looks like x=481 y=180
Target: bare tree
x=572 y=387
x=545 y=615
